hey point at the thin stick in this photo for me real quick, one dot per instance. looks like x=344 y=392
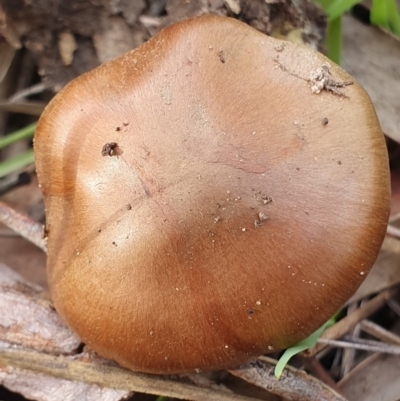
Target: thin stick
x=316 y=369
x=379 y=332
x=394 y=306
x=23 y=225
x=111 y=376
x=394 y=218
x=349 y=354
x=32 y=90
x=365 y=345
x=393 y=231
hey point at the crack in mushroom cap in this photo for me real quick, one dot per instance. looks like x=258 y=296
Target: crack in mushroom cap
x=154 y=255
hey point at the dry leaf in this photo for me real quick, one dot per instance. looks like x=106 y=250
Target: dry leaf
x=364 y=48
x=376 y=378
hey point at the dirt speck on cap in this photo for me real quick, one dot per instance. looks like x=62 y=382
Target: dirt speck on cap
x=221 y=56
x=322 y=79
x=109 y=149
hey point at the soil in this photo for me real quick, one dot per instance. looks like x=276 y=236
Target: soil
x=67 y=38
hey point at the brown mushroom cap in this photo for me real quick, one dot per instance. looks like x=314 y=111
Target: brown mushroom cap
x=204 y=206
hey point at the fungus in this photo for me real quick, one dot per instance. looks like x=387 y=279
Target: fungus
x=209 y=140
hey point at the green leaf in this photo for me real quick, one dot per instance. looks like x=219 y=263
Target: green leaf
x=26 y=132
x=301 y=346
x=15 y=163
x=339 y=7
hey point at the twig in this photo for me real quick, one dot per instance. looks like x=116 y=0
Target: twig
x=394 y=306
x=393 y=231
x=150 y=22
x=294 y=385
x=379 y=332
x=110 y=376
x=349 y=354
x=315 y=367
x=23 y=225
x=23 y=93
x=394 y=218
x=363 y=345
x=336 y=362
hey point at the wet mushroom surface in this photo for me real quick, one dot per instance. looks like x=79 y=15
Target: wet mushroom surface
x=211 y=196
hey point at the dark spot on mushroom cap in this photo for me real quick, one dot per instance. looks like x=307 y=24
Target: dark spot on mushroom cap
x=109 y=149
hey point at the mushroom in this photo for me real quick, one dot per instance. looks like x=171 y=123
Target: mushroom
x=200 y=210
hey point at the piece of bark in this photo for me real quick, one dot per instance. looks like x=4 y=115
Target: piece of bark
x=28 y=319
x=111 y=376
x=293 y=385
x=46 y=388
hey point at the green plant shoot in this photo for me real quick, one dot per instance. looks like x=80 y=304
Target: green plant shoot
x=301 y=346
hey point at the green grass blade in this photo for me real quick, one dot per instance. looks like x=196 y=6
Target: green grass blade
x=334 y=40
x=26 y=132
x=15 y=163
x=301 y=346
x=339 y=7
x=379 y=13
x=393 y=16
